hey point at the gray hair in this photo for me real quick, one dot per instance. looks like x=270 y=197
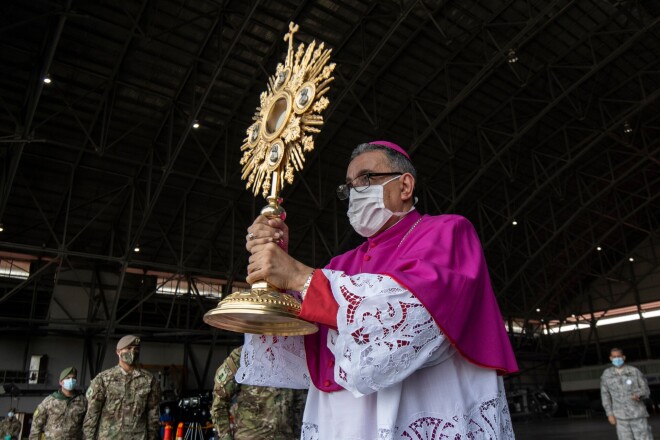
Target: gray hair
x=397 y=161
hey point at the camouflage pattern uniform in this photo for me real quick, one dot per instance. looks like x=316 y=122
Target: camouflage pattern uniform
x=259 y=412
x=297 y=410
x=11 y=426
x=59 y=417
x=122 y=406
x=617 y=386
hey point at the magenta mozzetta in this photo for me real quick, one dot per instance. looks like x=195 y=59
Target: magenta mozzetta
x=445 y=269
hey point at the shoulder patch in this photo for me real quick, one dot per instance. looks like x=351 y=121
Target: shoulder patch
x=222 y=375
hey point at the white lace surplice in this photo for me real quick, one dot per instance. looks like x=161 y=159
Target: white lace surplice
x=402 y=377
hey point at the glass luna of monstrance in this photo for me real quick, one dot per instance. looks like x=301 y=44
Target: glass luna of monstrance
x=284 y=126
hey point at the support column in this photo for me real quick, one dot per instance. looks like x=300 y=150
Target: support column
x=594 y=330
x=642 y=323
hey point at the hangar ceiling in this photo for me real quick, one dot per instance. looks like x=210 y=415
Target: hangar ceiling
x=540 y=112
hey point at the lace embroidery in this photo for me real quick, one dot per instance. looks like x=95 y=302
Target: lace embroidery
x=384 y=332
x=276 y=361
x=489 y=420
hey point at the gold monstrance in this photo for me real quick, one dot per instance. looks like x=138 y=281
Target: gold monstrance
x=285 y=122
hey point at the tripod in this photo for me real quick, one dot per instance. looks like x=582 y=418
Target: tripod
x=194 y=432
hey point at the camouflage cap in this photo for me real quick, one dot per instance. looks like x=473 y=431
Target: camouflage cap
x=67 y=371
x=127 y=341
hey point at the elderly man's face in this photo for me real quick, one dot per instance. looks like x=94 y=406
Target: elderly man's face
x=376 y=162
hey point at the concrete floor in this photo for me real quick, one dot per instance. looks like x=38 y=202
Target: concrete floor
x=596 y=428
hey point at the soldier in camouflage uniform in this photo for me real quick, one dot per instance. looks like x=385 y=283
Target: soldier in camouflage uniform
x=123 y=401
x=297 y=410
x=258 y=413
x=622 y=390
x=60 y=415
x=11 y=425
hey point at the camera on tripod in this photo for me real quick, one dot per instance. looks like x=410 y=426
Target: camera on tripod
x=196 y=408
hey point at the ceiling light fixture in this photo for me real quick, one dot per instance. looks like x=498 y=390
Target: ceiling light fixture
x=599 y=248
x=47 y=79
x=538 y=310
x=511 y=56
x=514 y=223
x=136 y=248
x=627 y=129
x=195 y=125
x=2 y=227
x=631 y=259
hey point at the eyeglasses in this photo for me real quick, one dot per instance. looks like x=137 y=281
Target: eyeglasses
x=360 y=183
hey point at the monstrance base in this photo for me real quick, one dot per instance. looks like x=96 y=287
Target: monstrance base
x=260 y=311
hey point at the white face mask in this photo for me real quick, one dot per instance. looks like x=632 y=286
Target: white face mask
x=366 y=210
x=69 y=383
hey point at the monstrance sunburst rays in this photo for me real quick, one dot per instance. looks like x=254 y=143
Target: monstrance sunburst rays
x=288 y=117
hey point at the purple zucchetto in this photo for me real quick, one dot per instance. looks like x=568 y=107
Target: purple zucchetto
x=391 y=146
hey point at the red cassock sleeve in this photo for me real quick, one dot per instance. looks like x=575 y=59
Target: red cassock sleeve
x=319 y=304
